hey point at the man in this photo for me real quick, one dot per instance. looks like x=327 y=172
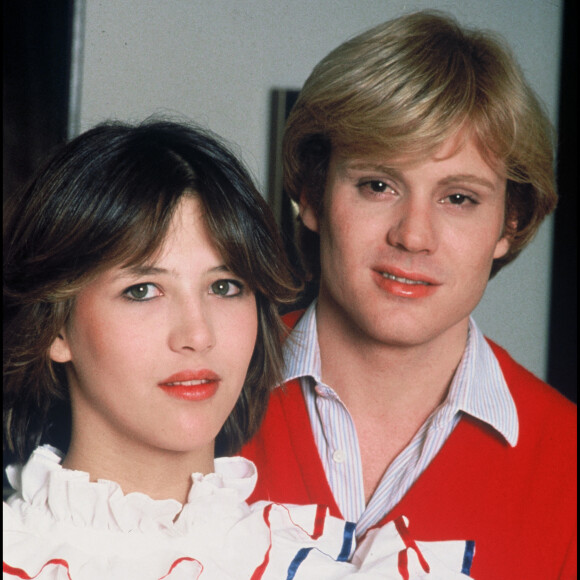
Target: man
x=422 y=164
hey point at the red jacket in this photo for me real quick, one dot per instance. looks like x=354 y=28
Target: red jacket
x=518 y=504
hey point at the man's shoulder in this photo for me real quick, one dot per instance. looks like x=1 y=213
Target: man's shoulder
x=291 y=318
x=535 y=399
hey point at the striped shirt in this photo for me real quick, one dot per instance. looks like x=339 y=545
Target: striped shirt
x=478 y=389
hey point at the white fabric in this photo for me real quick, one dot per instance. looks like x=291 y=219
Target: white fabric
x=59 y=524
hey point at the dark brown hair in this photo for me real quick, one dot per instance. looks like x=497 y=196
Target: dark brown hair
x=106 y=199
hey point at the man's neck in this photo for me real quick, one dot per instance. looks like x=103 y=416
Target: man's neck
x=373 y=375
x=389 y=391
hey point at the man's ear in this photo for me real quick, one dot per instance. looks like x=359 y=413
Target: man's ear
x=59 y=349
x=504 y=243
x=308 y=214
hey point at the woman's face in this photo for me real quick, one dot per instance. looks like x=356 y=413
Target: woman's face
x=157 y=354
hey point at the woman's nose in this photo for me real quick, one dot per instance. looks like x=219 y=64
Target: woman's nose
x=192 y=329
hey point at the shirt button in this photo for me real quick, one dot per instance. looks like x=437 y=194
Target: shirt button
x=338 y=456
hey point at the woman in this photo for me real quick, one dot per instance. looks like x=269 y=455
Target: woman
x=142 y=277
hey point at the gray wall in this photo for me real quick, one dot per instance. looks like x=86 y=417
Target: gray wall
x=215 y=63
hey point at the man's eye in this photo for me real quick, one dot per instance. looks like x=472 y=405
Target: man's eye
x=226 y=288
x=376 y=185
x=459 y=199
x=141 y=292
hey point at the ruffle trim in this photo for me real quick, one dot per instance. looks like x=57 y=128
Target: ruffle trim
x=291 y=544
x=185 y=568
x=280 y=540
x=44 y=488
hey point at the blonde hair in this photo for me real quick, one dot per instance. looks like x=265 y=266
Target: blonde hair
x=405 y=87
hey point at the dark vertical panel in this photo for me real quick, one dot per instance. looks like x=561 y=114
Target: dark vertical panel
x=282 y=101
x=36 y=62
x=35 y=71
x=563 y=353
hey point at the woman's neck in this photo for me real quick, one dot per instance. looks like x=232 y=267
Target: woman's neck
x=158 y=473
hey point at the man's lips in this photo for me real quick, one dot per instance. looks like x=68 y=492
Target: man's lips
x=191 y=385
x=404 y=277
x=405 y=284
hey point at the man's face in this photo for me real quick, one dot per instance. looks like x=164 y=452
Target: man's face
x=406 y=246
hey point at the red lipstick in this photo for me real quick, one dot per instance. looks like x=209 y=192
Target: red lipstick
x=404 y=284
x=191 y=385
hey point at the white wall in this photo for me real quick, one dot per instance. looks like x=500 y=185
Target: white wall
x=215 y=62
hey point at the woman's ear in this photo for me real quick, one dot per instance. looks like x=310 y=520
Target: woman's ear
x=59 y=349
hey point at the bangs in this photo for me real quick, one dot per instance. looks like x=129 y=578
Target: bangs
x=141 y=241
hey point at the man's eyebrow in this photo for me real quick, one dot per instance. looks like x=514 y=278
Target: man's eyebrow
x=468 y=178
x=365 y=166
x=382 y=168
x=346 y=166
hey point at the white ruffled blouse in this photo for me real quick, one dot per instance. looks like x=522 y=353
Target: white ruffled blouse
x=60 y=525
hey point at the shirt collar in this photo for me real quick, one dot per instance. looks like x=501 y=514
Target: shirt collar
x=478 y=387
x=301 y=350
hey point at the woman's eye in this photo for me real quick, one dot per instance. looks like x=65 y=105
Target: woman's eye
x=142 y=292
x=226 y=288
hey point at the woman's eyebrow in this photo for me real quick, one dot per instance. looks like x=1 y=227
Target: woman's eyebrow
x=140 y=270
x=149 y=270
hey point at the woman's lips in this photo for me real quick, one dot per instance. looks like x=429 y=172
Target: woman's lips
x=191 y=385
